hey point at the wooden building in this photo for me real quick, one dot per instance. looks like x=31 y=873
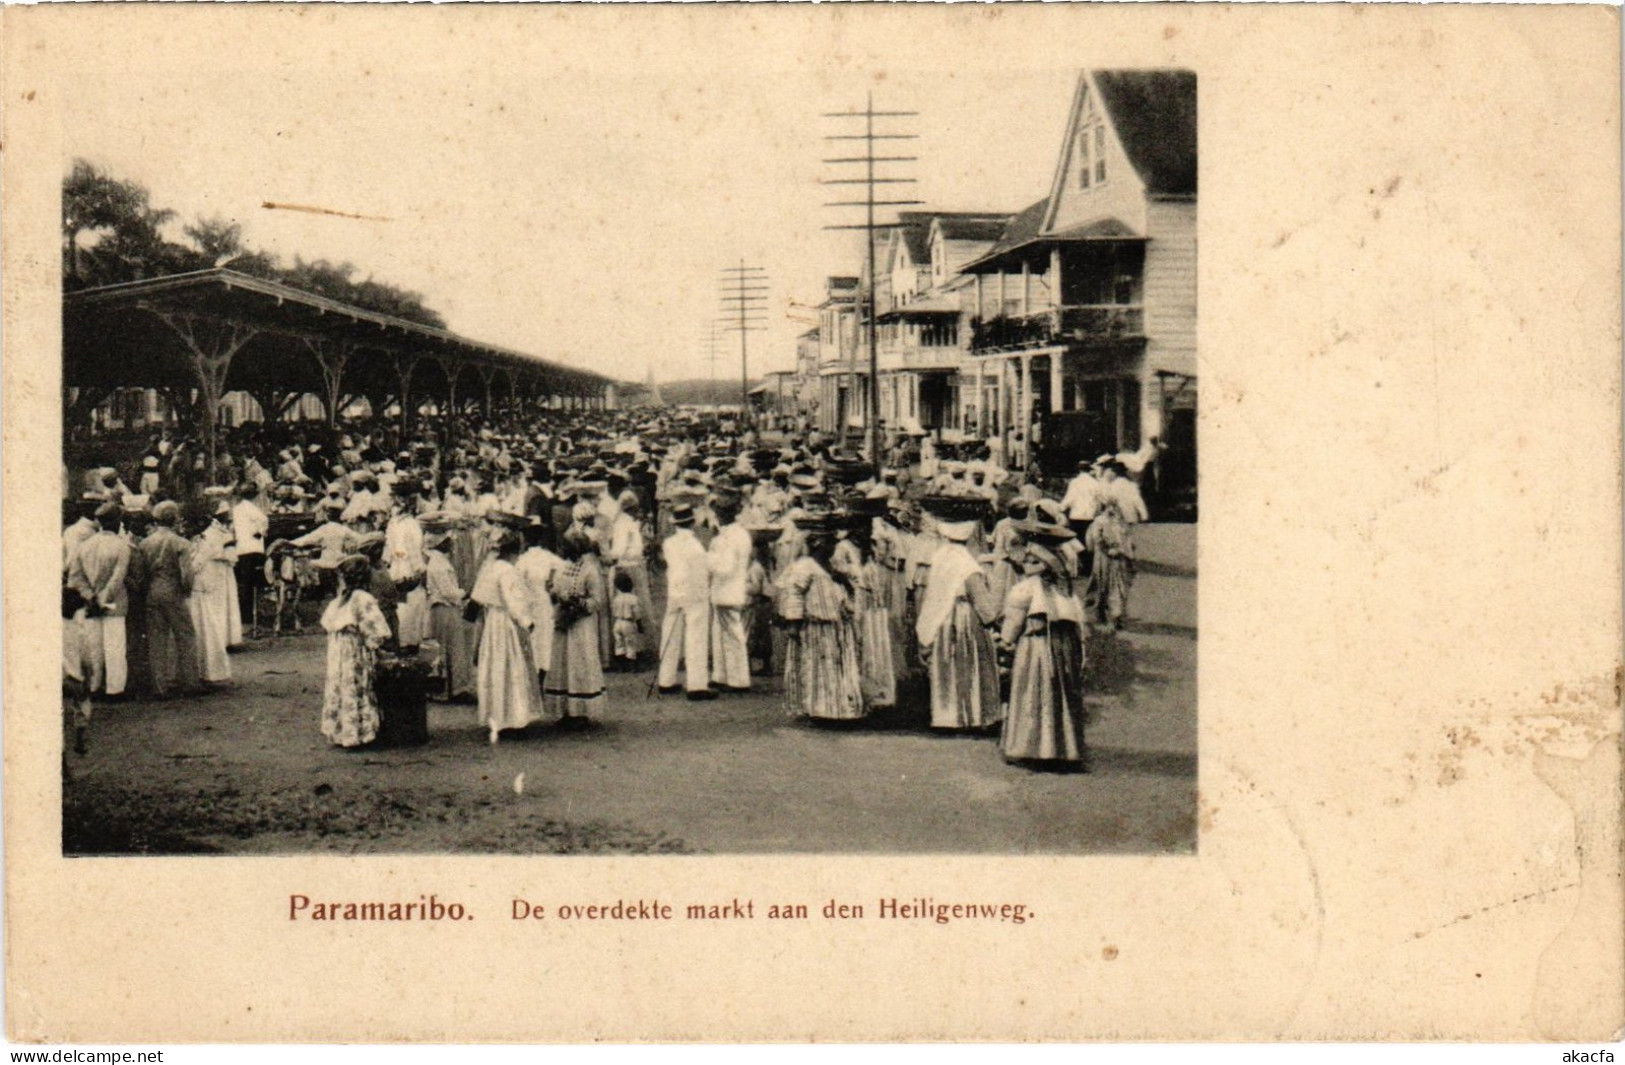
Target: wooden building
x=1083 y=314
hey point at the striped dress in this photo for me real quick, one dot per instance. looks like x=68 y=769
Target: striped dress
x=822 y=675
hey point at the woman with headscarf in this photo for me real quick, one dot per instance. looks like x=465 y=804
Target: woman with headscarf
x=1004 y=547
x=214 y=597
x=1111 y=544
x=822 y=673
x=951 y=629
x=355 y=628
x=446 y=600
x=577 y=673
x=1043 y=626
x=876 y=658
x=505 y=678
x=584 y=524
x=171 y=636
x=536 y=566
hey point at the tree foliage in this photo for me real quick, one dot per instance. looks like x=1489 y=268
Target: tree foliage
x=112 y=233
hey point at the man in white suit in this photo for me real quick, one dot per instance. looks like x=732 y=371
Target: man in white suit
x=97 y=573
x=729 y=560
x=685 y=633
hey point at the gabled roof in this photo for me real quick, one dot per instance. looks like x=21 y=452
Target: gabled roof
x=1021 y=229
x=973 y=227
x=1154 y=114
x=912 y=228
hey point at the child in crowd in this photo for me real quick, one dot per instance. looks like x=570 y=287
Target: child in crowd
x=628 y=617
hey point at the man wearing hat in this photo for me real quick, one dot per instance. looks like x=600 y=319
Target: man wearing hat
x=1082 y=501
x=315 y=463
x=80 y=529
x=166 y=559
x=1118 y=487
x=249 y=526
x=362 y=498
x=149 y=475
x=729 y=559
x=685 y=631
x=98 y=573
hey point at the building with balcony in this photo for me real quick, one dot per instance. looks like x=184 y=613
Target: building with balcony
x=842 y=381
x=1084 y=309
x=922 y=347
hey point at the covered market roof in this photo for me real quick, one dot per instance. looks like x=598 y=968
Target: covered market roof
x=144 y=333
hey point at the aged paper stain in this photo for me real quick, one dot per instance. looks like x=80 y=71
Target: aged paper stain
x=269 y=206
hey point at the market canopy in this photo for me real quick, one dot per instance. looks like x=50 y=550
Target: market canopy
x=219 y=331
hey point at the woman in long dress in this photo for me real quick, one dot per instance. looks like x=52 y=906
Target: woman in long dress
x=536 y=566
x=355 y=628
x=1004 y=545
x=1043 y=624
x=1113 y=575
x=213 y=601
x=952 y=633
x=455 y=635
x=577 y=676
x=854 y=562
x=505 y=677
x=822 y=674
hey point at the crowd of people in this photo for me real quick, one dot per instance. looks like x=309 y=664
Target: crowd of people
x=515 y=561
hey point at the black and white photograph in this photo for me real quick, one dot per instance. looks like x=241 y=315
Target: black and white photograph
x=745 y=478
x=805 y=522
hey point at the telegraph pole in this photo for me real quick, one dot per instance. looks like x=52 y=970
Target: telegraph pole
x=869 y=180
x=711 y=352
x=744 y=305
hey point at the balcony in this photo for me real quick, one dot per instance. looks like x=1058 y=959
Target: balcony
x=1079 y=324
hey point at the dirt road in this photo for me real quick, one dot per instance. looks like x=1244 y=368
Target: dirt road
x=247 y=772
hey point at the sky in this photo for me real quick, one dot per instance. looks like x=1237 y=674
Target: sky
x=580 y=214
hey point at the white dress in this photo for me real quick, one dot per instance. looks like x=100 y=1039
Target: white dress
x=505 y=677
x=536 y=565
x=214 y=605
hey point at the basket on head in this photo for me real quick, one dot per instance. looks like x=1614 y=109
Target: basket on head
x=955 y=508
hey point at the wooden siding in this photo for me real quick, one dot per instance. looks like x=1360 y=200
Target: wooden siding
x=1170 y=288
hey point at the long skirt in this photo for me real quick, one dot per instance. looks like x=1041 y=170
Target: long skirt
x=234 y=616
x=505 y=679
x=456 y=638
x=413 y=617
x=576 y=676
x=212 y=614
x=1112 y=581
x=964 y=671
x=878 y=661
x=349 y=706
x=821 y=672
x=1045 y=720
x=1001 y=577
